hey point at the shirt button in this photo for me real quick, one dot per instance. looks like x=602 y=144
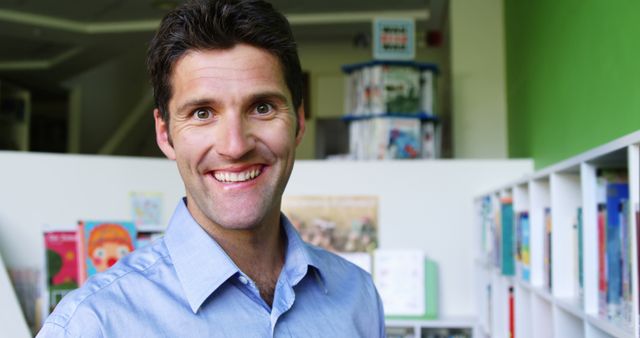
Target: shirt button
x=243 y=280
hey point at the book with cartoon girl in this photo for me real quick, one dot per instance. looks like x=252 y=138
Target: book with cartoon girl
x=102 y=244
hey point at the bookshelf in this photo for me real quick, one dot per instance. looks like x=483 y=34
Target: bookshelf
x=11 y=319
x=578 y=261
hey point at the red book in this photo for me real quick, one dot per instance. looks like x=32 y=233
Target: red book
x=61 y=261
x=602 y=260
x=512 y=317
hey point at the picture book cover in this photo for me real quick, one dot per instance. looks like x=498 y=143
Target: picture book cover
x=103 y=244
x=403 y=137
x=335 y=223
x=61 y=265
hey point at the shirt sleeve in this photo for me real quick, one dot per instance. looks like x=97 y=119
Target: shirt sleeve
x=382 y=330
x=52 y=330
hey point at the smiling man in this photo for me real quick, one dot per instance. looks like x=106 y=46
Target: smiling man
x=228 y=89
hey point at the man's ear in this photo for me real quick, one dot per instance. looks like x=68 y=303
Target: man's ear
x=162 y=135
x=301 y=124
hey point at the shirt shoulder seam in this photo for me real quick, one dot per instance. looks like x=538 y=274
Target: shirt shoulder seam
x=84 y=299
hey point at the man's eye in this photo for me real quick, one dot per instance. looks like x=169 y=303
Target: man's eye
x=264 y=108
x=202 y=114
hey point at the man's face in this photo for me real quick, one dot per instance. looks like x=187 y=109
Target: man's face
x=233 y=132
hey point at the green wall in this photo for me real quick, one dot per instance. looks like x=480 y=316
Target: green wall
x=573 y=75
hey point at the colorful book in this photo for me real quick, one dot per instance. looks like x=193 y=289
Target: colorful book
x=61 y=265
x=523 y=242
x=102 y=244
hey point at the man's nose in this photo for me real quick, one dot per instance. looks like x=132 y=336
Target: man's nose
x=236 y=137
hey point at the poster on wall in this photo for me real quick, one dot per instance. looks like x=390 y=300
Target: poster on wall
x=342 y=224
x=394 y=39
x=146 y=208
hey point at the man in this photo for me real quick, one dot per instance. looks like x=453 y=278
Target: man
x=227 y=83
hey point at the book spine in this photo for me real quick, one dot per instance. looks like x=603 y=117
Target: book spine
x=602 y=267
x=512 y=317
x=547 y=249
x=617 y=193
x=507 y=217
x=82 y=255
x=580 y=256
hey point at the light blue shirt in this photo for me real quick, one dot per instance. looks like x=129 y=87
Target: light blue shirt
x=185 y=285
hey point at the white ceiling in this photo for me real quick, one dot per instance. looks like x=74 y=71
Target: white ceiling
x=43 y=41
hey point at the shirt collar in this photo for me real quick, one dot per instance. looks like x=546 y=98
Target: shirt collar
x=202 y=266
x=200 y=263
x=299 y=257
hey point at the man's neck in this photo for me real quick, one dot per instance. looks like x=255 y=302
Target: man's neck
x=258 y=252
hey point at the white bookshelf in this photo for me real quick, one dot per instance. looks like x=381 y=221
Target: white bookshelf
x=12 y=321
x=561 y=311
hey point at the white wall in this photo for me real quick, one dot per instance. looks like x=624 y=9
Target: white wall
x=12 y=321
x=423 y=204
x=478 y=79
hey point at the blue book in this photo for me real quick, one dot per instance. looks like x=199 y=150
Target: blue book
x=617 y=193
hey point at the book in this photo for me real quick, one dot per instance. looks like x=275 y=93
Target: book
x=102 y=244
x=617 y=193
x=512 y=314
x=61 y=266
x=602 y=261
x=399 y=276
x=626 y=294
x=523 y=251
x=579 y=226
x=547 y=263
x=507 y=262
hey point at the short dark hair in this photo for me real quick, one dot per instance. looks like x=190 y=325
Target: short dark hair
x=221 y=24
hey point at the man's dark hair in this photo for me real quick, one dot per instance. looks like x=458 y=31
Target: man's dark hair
x=221 y=24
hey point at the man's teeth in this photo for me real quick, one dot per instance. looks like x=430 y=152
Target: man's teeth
x=237 y=177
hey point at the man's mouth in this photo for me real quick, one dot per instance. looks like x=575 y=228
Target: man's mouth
x=237 y=176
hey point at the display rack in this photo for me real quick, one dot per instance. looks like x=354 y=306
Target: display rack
x=391 y=110
x=561 y=297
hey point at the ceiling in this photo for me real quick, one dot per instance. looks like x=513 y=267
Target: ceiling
x=45 y=42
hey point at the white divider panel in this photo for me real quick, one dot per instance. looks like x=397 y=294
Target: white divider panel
x=521 y=198
x=541 y=317
x=424 y=205
x=590 y=237
x=523 y=312
x=540 y=199
x=634 y=193
x=565 y=199
x=566 y=324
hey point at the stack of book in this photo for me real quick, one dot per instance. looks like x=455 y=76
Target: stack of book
x=390 y=107
x=615 y=297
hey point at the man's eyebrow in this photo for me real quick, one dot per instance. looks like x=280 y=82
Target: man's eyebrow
x=198 y=102
x=269 y=95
